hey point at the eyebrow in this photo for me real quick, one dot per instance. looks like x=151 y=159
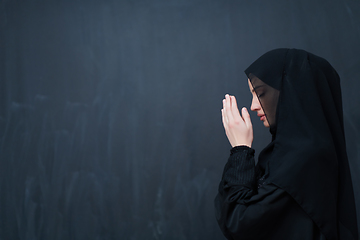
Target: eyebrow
x=254 y=88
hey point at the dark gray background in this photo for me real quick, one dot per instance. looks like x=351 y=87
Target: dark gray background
x=110 y=118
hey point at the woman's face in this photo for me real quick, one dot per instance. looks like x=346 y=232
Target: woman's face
x=256 y=106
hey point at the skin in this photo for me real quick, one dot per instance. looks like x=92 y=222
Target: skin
x=238 y=128
x=256 y=106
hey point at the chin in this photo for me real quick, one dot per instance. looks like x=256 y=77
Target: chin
x=266 y=124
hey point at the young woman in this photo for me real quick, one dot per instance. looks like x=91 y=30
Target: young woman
x=301 y=186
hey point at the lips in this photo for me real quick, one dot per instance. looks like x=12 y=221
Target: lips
x=262 y=117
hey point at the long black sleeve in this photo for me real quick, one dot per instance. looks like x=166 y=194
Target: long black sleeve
x=245 y=210
x=239 y=171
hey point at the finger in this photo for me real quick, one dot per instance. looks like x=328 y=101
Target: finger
x=228 y=108
x=225 y=120
x=234 y=108
x=246 y=117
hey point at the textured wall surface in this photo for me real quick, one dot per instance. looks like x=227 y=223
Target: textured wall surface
x=110 y=124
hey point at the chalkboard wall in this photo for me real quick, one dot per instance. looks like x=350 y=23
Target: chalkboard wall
x=110 y=124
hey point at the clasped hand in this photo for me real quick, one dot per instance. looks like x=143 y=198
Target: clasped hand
x=238 y=128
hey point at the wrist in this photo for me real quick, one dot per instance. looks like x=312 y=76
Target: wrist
x=241 y=144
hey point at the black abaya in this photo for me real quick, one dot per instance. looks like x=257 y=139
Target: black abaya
x=247 y=211
x=302 y=183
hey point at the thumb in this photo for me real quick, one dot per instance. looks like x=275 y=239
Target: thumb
x=246 y=116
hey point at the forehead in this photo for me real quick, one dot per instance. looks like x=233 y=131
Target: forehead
x=252 y=89
x=250 y=85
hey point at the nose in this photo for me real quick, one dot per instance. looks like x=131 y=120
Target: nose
x=255 y=104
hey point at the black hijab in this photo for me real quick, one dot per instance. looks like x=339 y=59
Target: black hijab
x=301 y=97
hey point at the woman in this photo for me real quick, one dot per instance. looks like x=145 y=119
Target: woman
x=301 y=187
